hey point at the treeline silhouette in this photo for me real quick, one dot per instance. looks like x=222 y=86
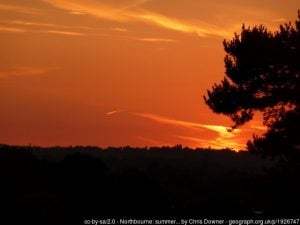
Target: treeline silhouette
x=64 y=185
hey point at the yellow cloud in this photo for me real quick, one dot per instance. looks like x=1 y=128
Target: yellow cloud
x=174 y=24
x=164 y=21
x=221 y=130
x=218 y=143
x=76 y=13
x=155 y=39
x=224 y=138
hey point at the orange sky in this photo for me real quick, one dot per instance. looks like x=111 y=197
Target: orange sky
x=121 y=72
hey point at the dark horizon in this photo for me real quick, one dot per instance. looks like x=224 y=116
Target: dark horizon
x=52 y=184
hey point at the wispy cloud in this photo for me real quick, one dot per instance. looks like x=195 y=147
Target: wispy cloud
x=216 y=144
x=92 y=8
x=223 y=139
x=257 y=125
x=182 y=26
x=280 y=20
x=221 y=130
x=155 y=39
x=114 y=112
x=69 y=33
x=128 y=14
x=31 y=23
x=38 y=27
x=12 y=29
x=67 y=30
x=48 y=25
x=119 y=29
x=76 y=13
x=26 y=71
x=18 y=9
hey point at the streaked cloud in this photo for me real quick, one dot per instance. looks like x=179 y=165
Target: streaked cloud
x=72 y=33
x=31 y=23
x=18 y=9
x=40 y=24
x=114 y=112
x=26 y=71
x=221 y=130
x=167 y=22
x=92 y=8
x=12 y=29
x=155 y=39
x=280 y=20
x=76 y=13
x=215 y=144
x=126 y=13
x=258 y=125
x=64 y=32
x=182 y=26
x=119 y=29
x=223 y=138
x=38 y=27
x=68 y=30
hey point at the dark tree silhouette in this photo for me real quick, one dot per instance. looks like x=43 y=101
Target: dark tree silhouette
x=263 y=74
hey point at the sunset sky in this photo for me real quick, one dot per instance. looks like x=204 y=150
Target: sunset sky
x=121 y=72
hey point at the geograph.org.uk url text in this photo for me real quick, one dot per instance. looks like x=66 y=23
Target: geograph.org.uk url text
x=191 y=221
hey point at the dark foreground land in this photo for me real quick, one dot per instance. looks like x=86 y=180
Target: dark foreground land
x=67 y=185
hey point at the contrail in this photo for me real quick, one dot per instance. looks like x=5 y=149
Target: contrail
x=114 y=112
